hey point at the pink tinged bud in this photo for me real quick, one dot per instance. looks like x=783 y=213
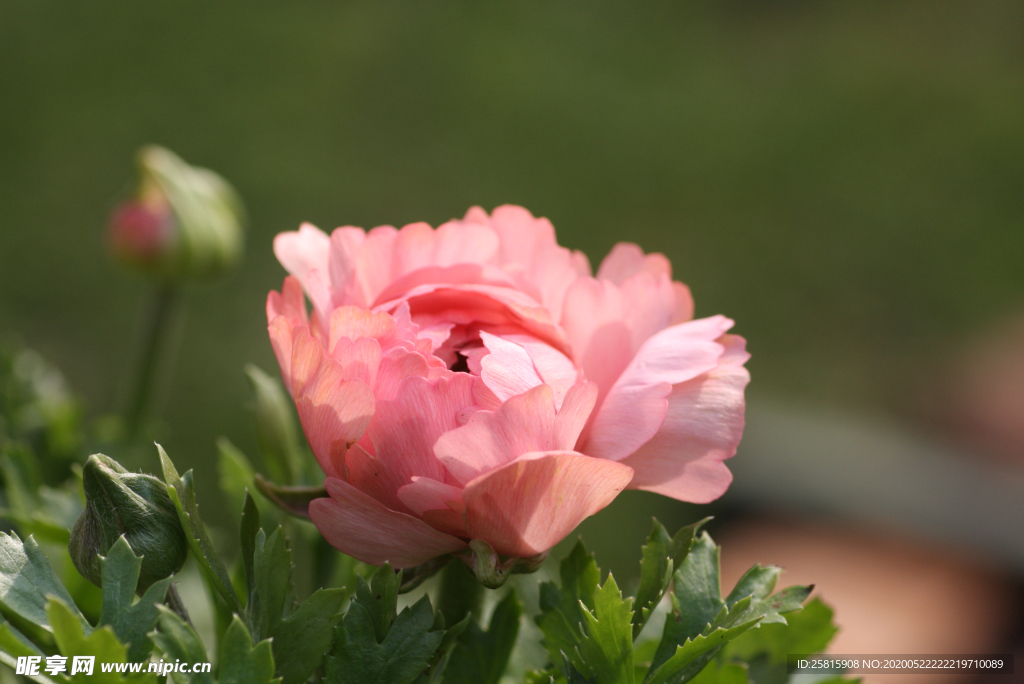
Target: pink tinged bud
x=141 y=234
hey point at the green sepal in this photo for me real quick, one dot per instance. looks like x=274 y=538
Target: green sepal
x=181 y=490
x=480 y=657
x=292 y=500
x=131 y=622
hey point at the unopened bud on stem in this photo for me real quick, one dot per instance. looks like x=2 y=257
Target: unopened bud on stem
x=118 y=502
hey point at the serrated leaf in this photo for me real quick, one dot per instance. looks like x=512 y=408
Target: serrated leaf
x=26 y=582
x=247 y=531
x=436 y=673
x=240 y=661
x=572 y=675
x=131 y=622
x=405 y=652
x=758 y=582
x=607 y=647
x=272 y=571
x=808 y=631
x=379 y=597
x=303 y=638
x=178 y=641
x=691 y=656
x=182 y=493
x=660 y=556
x=561 y=613
x=480 y=657
x=101 y=642
x=696 y=598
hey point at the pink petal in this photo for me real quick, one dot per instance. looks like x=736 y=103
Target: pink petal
x=635 y=407
x=288 y=303
x=508 y=369
x=353 y=322
x=529 y=505
x=573 y=415
x=405 y=429
x=424 y=494
x=627 y=259
x=360 y=526
x=702 y=427
x=554 y=368
x=601 y=341
x=682 y=310
x=302 y=251
x=490 y=439
x=346 y=243
x=334 y=411
x=397 y=365
x=531 y=254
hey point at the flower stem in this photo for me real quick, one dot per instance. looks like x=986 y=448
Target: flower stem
x=460 y=593
x=158 y=318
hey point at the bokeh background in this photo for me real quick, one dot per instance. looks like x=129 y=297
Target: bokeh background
x=845 y=180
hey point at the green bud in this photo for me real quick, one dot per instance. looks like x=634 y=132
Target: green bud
x=118 y=502
x=184 y=221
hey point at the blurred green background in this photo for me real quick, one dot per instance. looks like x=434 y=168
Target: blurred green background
x=846 y=180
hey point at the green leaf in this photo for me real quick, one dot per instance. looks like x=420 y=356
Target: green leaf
x=242 y=663
x=236 y=475
x=436 y=674
x=14 y=644
x=807 y=631
x=276 y=427
x=691 y=656
x=248 y=529
x=379 y=597
x=131 y=622
x=480 y=657
x=272 y=571
x=101 y=642
x=182 y=493
x=26 y=582
x=561 y=612
x=178 y=641
x=758 y=582
x=660 y=556
x=405 y=652
x=696 y=598
x=727 y=674
x=303 y=638
x=607 y=647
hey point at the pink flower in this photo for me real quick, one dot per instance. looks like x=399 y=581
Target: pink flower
x=476 y=381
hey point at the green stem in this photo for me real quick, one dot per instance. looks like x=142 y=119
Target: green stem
x=160 y=314
x=460 y=593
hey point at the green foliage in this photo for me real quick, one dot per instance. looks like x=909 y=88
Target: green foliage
x=561 y=615
x=131 y=622
x=480 y=657
x=606 y=649
x=660 y=556
x=406 y=650
x=239 y=662
x=182 y=493
x=276 y=428
x=27 y=581
x=101 y=642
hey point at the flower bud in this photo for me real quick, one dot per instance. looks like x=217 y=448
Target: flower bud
x=118 y=502
x=183 y=221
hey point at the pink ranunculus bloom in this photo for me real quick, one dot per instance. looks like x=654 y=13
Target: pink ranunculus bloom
x=477 y=382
